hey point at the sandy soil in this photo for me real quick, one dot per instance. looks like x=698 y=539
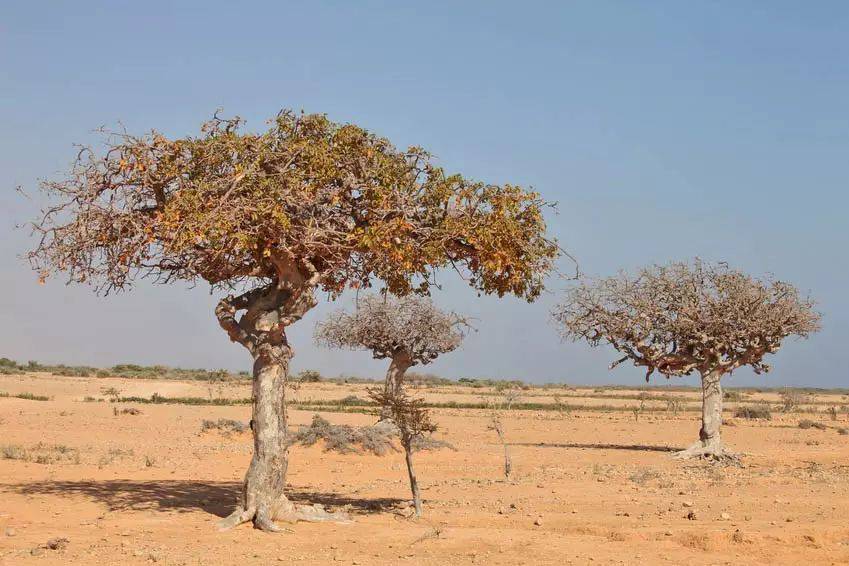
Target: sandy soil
x=593 y=487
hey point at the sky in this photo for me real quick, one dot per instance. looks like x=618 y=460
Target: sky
x=664 y=130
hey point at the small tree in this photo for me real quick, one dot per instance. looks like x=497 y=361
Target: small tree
x=682 y=318
x=273 y=217
x=409 y=331
x=503 y=402
x=414 y=424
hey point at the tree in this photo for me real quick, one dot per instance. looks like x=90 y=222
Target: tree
x=504 y=402
x=681 y=318
x=409 y=331
x=414 y=425
x=271 y=218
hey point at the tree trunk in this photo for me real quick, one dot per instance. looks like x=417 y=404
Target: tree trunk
x=401 y=362
x=710 y=442
x=262 y=331
x=414 y=484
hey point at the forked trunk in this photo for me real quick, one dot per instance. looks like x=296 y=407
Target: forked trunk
x=414 y=483
x=710 y=441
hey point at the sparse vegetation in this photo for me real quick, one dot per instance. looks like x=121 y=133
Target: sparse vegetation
x=224 y=425
x=753 y=412
x=125 y=411
x=41 y=453
x=807 y=423
x=496 y=407
x=27 y=396
x=793 y=399
x=345 y=439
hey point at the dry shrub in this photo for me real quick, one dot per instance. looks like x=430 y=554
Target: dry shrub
x=753 y=412
x=421 y=443
x=223 y=425
x=792 y=399
x=41 y=453
x=808 y=423
x=125 y=411
x=346 y=439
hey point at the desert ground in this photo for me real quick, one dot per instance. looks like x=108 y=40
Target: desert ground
x=594 y=483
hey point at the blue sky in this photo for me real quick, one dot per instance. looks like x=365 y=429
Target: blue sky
x=665 y=130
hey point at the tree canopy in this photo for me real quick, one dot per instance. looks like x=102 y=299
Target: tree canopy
x=684 y=317
x=388 y=325
x=335 y=202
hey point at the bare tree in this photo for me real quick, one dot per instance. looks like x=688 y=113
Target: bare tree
x=408 y=330
x=272 y=217
x=681 y=318
x=503 y=402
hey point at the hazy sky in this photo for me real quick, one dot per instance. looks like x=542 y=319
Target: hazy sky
x=665 y=130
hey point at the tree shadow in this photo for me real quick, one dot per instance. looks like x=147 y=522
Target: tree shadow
x=217 y=498
x=600 y=446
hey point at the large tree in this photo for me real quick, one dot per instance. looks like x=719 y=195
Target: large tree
x=409 y=331
x=271 y=218
x=682 y=318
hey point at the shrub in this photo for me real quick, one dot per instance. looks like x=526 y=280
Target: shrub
x=27 y=396
x=309 y=376
x=808 y=423
x=125 y=411
x=346 y=439
x=753 y=412
x=223 y=425
x=791 y=399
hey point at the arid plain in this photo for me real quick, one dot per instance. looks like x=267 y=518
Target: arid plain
x=84 y=482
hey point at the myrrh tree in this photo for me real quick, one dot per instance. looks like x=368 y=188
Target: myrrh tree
x=308 y=205
x=681 y=318
x=409 y=331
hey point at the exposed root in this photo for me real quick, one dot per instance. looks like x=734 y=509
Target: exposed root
x=285 y=511
x=712 y=451
x=236 y=518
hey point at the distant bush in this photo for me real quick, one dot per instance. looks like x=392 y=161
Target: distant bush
x=27 y=396
x=309 y=376
x=125 y=411
x=843 y=431
x=223 y=425
x=732 y=396
x=808 y=423
x=753 y=412
x=791 y=399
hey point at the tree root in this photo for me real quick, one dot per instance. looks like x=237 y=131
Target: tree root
x=286 y=511
x=712 y=451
